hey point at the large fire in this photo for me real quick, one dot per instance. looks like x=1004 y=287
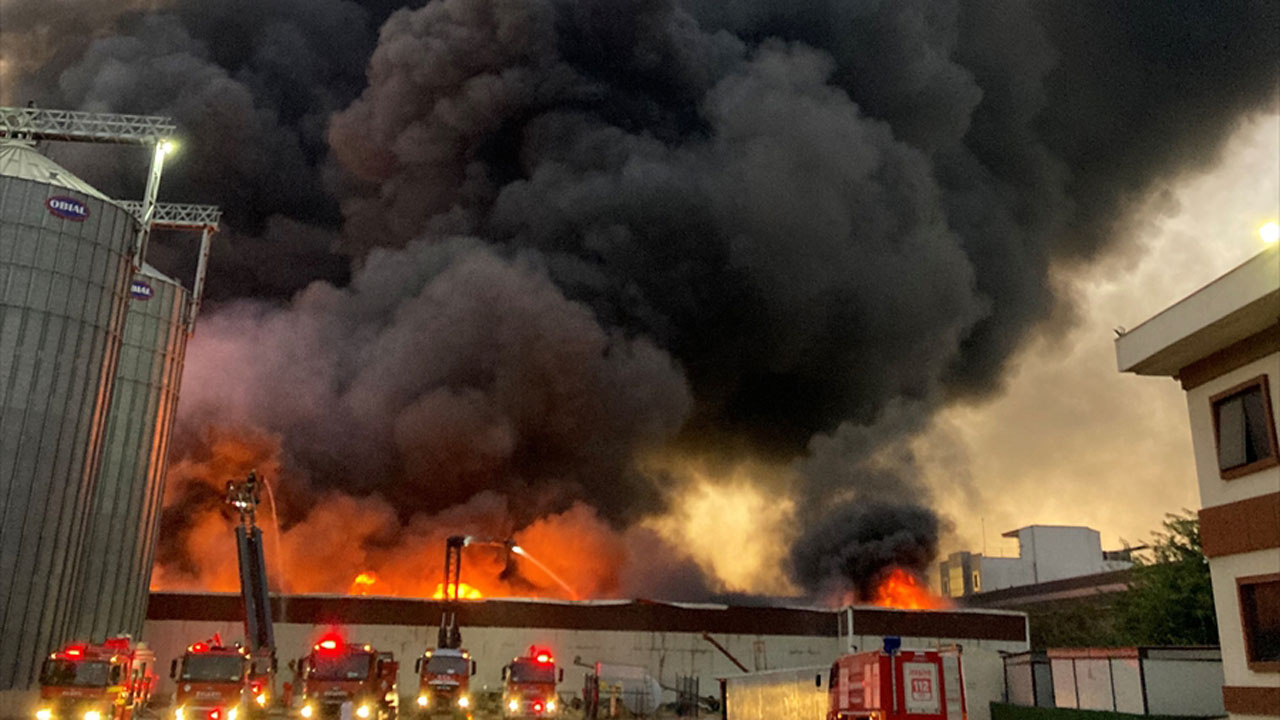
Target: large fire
x=363 y=583
x=901 y=589
x=465 y=592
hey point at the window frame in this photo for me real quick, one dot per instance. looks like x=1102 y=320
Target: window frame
x=1257 y=465
x=1267 y=666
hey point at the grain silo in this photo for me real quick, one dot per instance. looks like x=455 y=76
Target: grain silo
x=65 y=263
x=126 y=513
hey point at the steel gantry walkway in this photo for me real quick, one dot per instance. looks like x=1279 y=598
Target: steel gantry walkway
x=31 y=123
x=184 y=216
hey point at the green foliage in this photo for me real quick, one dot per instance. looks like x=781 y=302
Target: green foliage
x=1080 y=622
x=1170 y=600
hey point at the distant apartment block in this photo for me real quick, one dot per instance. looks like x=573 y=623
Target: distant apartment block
x=1222 y=344
x=1045 y=553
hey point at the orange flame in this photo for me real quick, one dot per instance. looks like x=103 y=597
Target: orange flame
x=362 y=583
x=901 y=589
x=465 y=592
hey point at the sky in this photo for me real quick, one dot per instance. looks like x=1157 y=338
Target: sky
x=1074 y=442
x=1070 y=440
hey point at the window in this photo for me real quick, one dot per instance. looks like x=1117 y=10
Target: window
x=1244 y=429
x=1260 y=619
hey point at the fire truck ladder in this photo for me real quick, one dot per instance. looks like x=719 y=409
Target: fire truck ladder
x=450 y=636
x=182 y=216
x=244 y=497
x=34 y=124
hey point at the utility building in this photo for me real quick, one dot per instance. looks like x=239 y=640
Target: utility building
x=1222 y=343
x=1045 y=553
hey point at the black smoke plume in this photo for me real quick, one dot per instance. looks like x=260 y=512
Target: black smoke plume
x=797 y=216
x=855 y=544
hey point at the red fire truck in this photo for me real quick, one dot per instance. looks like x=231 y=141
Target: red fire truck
x=337 y=673
x=215 y=682
x=529 y=685
x=897 y=684
x=111 y=681
x=444 y=683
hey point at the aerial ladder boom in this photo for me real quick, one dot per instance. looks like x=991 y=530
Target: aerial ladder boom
x=244 y=497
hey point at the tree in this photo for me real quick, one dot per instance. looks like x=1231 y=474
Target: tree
x=1170 y=598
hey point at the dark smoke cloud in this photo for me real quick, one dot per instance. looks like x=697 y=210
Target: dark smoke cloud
x=441 y=371
x=854 y=544
x=763 y=225
x=251 y=84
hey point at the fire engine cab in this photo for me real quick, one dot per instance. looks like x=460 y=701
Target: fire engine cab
x=894 y=684
x=338 y=674
x=111 y=681
x=214 y=683
x=529 y=685
x=444 y=683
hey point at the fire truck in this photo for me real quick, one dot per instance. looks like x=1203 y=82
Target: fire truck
x=337 y=673
x=894 y=684
x=216 y=682
x=111 y=681
x=444 y=683
x=529 y=685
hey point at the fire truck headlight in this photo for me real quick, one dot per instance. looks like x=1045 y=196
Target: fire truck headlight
x=178 y=714
x=44 y=714
x=362 y=711
x=422 y=701
x=464 y=702
x=307 y=711
x=231 y=714
x=261 y=699
x=514 y=706
x=93 y=715
x=551 y=706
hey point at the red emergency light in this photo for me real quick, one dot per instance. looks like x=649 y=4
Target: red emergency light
x=75 y=651
x=215 y=714
x=329 y=644
x=537 y=706
x=198 y=647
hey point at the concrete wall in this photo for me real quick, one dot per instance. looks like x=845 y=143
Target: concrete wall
x=799 y=694
x=665 y=655
x=1154 y=681
x=1183 y=688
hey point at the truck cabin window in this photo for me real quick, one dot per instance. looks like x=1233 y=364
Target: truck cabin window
x=213 y=668
x=341 y=667
x=66 y=673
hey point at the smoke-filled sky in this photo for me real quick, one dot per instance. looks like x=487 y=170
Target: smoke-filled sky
x=511 y=265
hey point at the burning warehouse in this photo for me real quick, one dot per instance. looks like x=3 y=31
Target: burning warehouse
x=669 y=640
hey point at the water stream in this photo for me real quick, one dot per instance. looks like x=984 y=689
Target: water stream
x=524 y=554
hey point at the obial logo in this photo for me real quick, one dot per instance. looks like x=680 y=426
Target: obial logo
x=140 y=290
x=67 y=208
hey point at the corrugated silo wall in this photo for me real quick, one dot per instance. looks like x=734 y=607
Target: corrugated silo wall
x=126 y=513
x=63 y=284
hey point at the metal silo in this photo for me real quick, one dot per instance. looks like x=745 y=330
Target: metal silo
x=126 y=513
x=65 y=262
